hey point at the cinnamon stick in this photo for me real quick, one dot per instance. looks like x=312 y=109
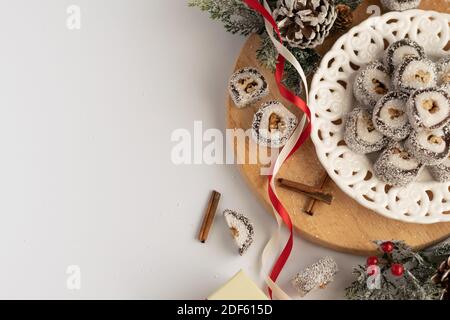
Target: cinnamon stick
x=312 y=203
x=208 y=218
x=311 y=192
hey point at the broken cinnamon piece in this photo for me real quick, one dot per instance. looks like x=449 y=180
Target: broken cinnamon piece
x=208 y=218
x=309 y=191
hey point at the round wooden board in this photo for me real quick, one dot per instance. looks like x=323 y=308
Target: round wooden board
x=345 y=225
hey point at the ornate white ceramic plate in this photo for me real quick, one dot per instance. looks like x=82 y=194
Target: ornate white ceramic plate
x=424 y=201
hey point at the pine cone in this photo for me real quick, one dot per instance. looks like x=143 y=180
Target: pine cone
x=442 y=278
x=344 y=18
x=305 y=23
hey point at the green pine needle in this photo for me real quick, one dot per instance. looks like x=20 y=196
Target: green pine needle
x=236 y=17
x=308 y=58
x=416 y=283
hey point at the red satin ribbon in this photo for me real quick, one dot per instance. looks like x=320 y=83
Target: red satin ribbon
x=300 y=103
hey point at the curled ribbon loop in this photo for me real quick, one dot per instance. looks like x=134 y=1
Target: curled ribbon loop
x=295 y=142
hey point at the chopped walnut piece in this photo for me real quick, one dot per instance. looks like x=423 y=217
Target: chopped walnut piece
x=248 y=85
x=369 y=123
x=430 y=105
x=395 y=113
x=380 y=87
x=402 y=154
x=423 y=76
x=275 y=123
x=234 y=232
x=407 y=55
x=435 y=139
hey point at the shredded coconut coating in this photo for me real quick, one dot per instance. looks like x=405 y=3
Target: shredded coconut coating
x=419 y=118
x=443 y=69
x=425 y=155
x=371 y=83
x=353 y=140
x=446 y=88
x=441 y=172
x=242 y=229
x=409 y=47
x=400 y=5
x=390 y=172
x=414 y=73
x=317 y=275
x=399 y=132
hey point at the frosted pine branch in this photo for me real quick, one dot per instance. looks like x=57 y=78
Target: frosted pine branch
x=236 y=17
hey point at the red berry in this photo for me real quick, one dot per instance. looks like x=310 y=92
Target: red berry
x=397 y=269
x=387 y=247
x=372 y=261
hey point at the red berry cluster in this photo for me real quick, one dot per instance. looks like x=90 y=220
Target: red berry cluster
x=387 y=247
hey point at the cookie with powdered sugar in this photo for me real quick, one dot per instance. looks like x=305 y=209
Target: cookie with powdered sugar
x=371 y=84
x=429 y=109
x=360 y=134
x=247 y=86
x=390 y=116
x=396 y=166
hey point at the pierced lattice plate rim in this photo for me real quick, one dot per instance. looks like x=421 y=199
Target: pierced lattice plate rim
x=425 y=201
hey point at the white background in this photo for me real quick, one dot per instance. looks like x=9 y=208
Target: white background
x=86 y=176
